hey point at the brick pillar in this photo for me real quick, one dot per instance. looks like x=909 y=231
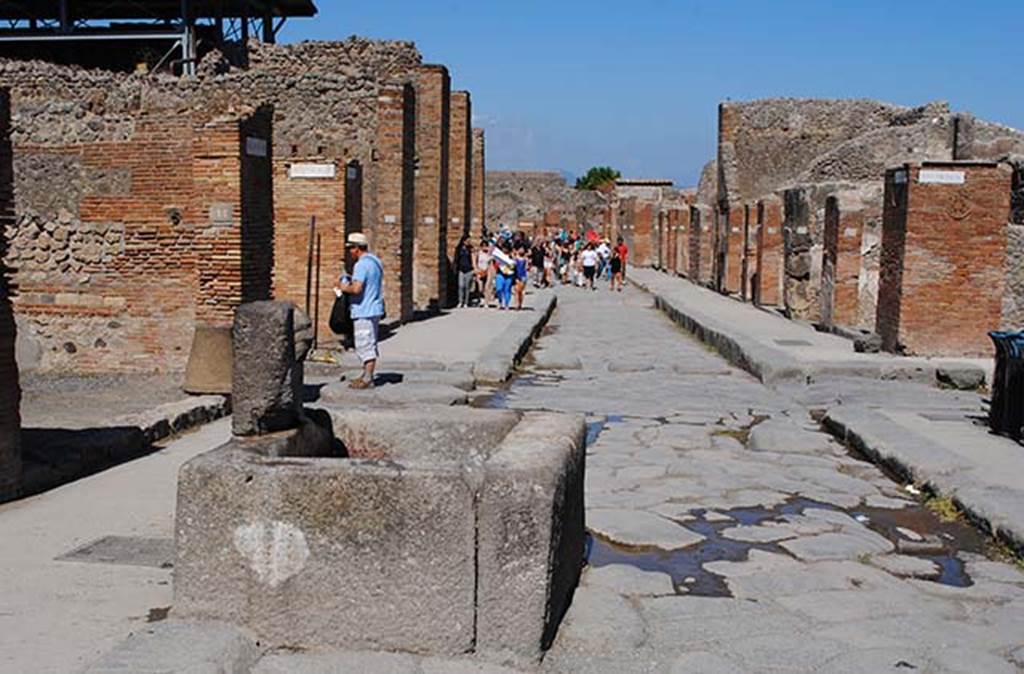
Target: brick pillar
x=701 y=244
x=460 y=174
x=391 y=238
x=683 y=242
x=478 y=203
x=768 y=288
x=643 y=235
x=233 y=189
x=734 y=244
x=943 y=251
x=841 y=262
x=232 y=206
x=433 y=89
x=10 y=390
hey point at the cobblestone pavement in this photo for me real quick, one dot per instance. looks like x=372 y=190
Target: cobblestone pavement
x=731 y=535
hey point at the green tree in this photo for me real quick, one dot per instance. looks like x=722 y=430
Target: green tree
x=597 y=177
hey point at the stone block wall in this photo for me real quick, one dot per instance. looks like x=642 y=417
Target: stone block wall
x=478 y=200
x=433 y=134
x=10 y=390
x=943 y=257
x=768 y=286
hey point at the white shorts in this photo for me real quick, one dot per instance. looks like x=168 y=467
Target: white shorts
x=365 y=334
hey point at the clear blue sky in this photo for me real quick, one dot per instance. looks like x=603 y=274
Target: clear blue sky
x=565 y=85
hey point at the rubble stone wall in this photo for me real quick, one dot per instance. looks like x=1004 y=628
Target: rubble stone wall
x=540 y=196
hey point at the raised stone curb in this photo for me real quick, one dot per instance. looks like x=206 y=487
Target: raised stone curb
x=63 y=455
x=771 y=365
x=178 y=647
x=168 y=419
x=505 y=351
x=997 y=509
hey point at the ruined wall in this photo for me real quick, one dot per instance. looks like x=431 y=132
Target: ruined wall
x=478 y=199
x=326 y=116
x=540 y=197
x=701 y=244
x=707 y=188
x=10 y=390
x=943 y=258
x=769 y=144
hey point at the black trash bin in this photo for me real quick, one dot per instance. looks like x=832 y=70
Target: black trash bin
x=1006 y=410
x=996 y=410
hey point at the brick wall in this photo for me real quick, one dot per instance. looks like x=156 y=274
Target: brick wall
x=433 y=95
x=393 y=235
x=460 y=175
x=768 y=288
x=478 y=203
x=846 y=274
x=943 y=254
x=145 y=238
x=10 y=391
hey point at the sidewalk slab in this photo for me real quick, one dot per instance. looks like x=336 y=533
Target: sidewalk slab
x=776 y=349
x=949 y=454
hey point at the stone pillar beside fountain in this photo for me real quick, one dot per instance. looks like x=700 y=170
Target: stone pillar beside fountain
x=428 y=529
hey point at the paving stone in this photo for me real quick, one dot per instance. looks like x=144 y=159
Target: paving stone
x=906 y=566
x=702 y=662
x=395 y=394
x=641 y=529
x=629 y=580
x=781 y=434
x=601 y=621
x=767 y=533
x=834 y=546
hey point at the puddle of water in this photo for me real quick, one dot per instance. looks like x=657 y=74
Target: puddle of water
x=686 y=566
x=499 y=397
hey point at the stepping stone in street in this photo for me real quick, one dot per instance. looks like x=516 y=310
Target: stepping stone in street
x=636 y=528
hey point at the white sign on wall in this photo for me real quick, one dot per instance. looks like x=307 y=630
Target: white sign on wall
x=255 y=147
x=308 y=170
x=942 y=177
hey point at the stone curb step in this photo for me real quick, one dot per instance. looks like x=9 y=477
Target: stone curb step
x=507 y=350
x=997 y=510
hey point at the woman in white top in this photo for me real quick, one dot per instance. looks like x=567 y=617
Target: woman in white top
x=588 y=257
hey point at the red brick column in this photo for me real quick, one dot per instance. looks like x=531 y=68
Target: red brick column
x=392 y=236
x=841 y=263
x=733 y=230
x=768 y=289
x=10 y=390
x=943 y=251
x=433 y=89
x=642 y=229
x=701 y=245
x=460 y=175
x=478 y=203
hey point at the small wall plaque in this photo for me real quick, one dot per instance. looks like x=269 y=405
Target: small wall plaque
x=309 y=170
x=941 y=177
x=390 y=219
x=255 y=147
x=222 y=214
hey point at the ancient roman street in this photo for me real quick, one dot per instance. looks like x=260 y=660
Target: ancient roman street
x=511 y=338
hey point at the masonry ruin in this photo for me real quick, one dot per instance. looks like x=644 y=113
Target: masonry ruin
x=797 y=194
x=359 y=141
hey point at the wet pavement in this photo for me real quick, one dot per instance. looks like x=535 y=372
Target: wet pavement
x=729 y=533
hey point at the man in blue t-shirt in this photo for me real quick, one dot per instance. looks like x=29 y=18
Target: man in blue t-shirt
x=367 y=304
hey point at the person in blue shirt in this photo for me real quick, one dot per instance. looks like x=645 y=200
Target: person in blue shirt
x=367 y=304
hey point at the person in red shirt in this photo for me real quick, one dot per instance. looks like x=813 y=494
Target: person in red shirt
x=623 y=251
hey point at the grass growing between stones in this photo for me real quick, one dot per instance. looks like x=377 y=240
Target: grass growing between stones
x=943 y=507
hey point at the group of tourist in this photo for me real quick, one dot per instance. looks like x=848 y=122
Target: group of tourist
x=498 y=271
